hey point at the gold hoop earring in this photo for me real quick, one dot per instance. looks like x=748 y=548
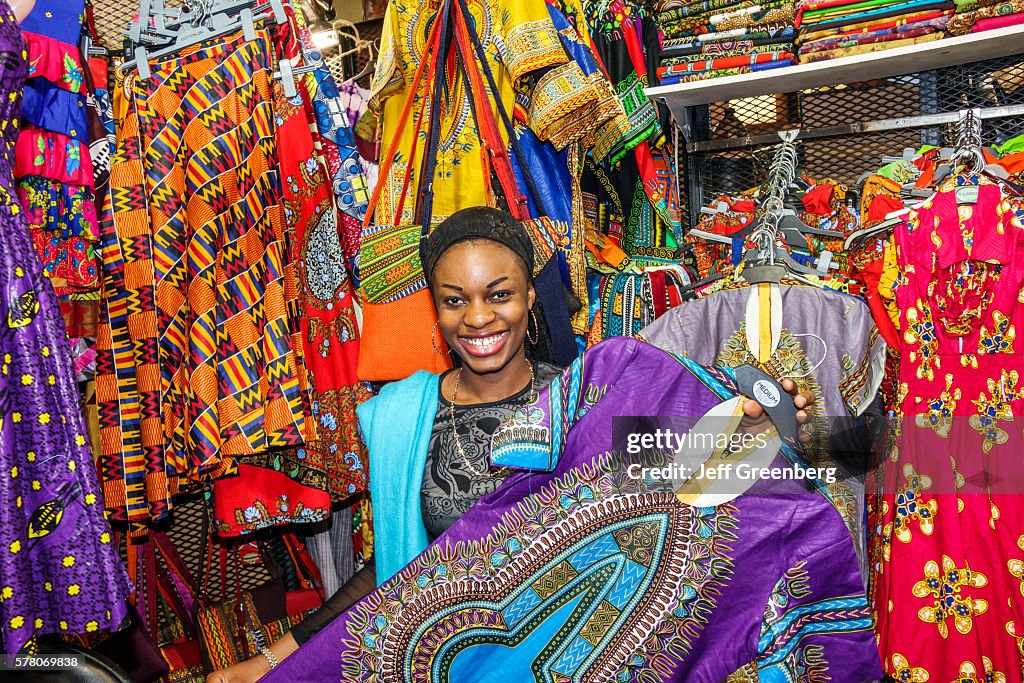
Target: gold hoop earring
x=536 y=327
x=432 y=342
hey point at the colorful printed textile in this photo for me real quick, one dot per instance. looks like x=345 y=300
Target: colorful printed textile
x=54 y=109
x=969 y=5
x=59 y=571
x=998 y=22
x=918 y=28
x=845 y=19
x=726 y=46
x=54 y=156
x=531 y=43
x=351 y=191
x=773 y=33
x=55 y=62
x=64 y=228
x=867 y=48
x=264 y=497
x=873 y=25
x=101 y=119
x=770 y=13
x=720 y=50
x=208 y=191
x=703 y=7
x=825 y=6
x=726 y=16
x=732 y=213
x=961 y=23
x=287 y=486
x=947 y=559
x=356 y=101
x=326 y=318
x=719 y=73
x=583 y=574
x=60 y=20
x=627 y=304
x=724 y=63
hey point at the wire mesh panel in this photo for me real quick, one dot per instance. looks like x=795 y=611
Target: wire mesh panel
x=112 y=18
x=840 y=130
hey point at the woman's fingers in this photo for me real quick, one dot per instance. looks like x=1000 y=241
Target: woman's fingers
x=752 y=408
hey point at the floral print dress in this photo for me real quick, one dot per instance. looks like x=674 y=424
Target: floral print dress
x=59 y=569
x=948 y=557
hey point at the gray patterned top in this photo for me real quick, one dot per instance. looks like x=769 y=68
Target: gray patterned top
x=450 y=487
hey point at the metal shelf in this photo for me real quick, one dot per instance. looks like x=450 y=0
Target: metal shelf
x=936 y=54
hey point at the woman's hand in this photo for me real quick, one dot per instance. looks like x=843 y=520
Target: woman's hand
x=253 y=668
x=756 y=421
x=244 y=672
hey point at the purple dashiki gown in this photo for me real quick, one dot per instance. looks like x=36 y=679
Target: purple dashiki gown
x=59 y=570
x=583 y=574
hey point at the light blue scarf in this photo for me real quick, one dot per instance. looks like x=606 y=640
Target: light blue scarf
x=396 y=426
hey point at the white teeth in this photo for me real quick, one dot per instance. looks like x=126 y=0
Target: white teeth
x=485 y=343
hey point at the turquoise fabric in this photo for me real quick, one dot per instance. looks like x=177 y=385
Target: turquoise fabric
x=396 y=426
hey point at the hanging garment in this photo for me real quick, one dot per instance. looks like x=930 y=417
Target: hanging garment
x=583 y=574
x=197 y=294
x=59 y=571
x=825 y=341
x=338 y=144
x=949 y=522
x=571 y=105
x=62 y=220
x=60 y=20
x=333 y=467
x=55 y=171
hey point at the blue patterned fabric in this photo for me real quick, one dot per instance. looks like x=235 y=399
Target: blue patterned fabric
x=54 y=109
x=57 y=19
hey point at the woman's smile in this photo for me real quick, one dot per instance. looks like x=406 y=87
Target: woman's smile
x=482 y=346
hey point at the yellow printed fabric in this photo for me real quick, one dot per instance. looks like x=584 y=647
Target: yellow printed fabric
x=887 y=283
x=519 y=39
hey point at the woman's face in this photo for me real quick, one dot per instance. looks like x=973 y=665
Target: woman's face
x=483 y=303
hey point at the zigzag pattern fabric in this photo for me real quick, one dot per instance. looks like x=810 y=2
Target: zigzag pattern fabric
x=200 y=359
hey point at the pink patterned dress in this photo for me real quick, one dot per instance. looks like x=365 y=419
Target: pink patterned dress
x=948 y=554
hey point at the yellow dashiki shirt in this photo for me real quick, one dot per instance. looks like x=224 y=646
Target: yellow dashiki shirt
x=559 y=102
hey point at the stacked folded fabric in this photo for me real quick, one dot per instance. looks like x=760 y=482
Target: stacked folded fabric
x=712 y=38
x=974 y=16
x=840 y=28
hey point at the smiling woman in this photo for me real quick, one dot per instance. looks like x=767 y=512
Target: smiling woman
x=478 y=264
x=429 y=436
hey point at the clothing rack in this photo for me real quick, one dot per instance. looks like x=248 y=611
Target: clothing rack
x=968 y=144
x=171 y=30
x=783 y=172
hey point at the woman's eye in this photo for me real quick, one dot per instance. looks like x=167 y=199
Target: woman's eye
x=451 y=301
x=501 y=296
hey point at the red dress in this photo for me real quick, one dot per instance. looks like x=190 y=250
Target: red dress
x=948 y=556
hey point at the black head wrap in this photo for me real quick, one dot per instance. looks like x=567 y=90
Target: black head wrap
x=479 y=222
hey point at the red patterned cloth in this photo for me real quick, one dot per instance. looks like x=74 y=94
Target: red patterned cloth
x=56 y=61
x=52 y=155
x=948 y=557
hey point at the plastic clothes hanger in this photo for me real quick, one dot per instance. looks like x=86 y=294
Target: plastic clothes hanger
x=205 y=23
x=891 y=221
